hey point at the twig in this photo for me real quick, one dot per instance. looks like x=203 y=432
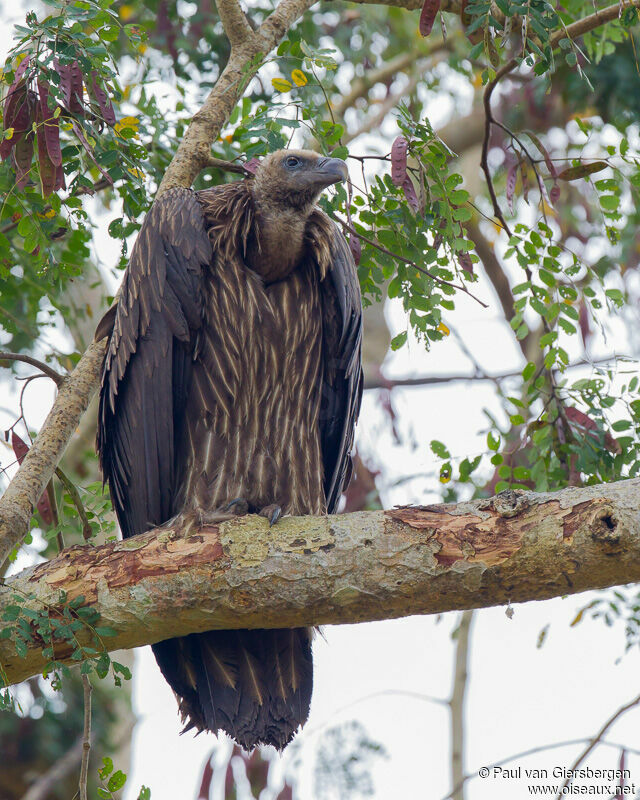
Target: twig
x=597 y=740
x=456 y=704
x=51 y=494
x=86 y=739
x=34 y=362
x=43 y=787
x=383 y=383
x=77 y=502
x=439 y=281
x=488 y=120
x=228 y=166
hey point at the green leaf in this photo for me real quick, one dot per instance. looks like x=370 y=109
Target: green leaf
x=398 y=341
x=116 y=781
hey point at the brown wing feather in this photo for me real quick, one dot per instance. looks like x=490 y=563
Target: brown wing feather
x=342 y=342
x=148 y=361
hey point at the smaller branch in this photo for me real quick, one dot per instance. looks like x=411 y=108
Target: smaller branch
x=43 y=787
x=235 y=22
x=596 y=740
x=227 y=166
x=86 y=739
x=380 y=382
x=456 y=704
x=51 y=494
x=77 y=502
x=413 y=264
x=34 y=362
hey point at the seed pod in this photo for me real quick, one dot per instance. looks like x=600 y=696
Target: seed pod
x=50 y=130
x=399 y=150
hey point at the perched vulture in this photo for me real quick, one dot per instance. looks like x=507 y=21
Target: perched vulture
x=232 y=379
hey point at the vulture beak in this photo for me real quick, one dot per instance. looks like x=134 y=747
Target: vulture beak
x=330 y=170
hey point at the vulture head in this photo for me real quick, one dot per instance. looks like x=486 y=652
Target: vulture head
x=296 y=178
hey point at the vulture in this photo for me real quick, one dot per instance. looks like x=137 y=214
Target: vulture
x=232 y=382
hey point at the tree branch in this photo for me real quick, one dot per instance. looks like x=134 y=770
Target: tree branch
x=44 y=786
x=24 y=491
x=456 y=704
x=347 y=568
x=193 y=152
x=597 y=739
x=34 y=362
x=234 y=21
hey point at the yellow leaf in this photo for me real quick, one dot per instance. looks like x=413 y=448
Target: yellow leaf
x=299 y=78
x=8 y=134
x=129 y=122
x=280 y=84
x=50 y=213
x=443 y=329
x=126 y=12
x=135 y=172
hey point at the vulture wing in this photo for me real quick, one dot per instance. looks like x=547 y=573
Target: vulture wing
x=342 y=375
x=142 y=398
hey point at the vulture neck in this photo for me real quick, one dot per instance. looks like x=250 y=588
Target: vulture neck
x=277 y=245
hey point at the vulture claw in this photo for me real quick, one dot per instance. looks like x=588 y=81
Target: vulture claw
x=272 y=513
x=239 y=506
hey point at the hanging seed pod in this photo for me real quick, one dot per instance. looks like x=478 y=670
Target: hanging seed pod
x=399 y=150
x=102 y=99
x=50 y=130
x=428 y=16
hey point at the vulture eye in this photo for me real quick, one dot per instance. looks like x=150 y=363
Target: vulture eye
x=292 y=161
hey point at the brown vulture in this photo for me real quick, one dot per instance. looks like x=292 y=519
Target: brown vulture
x=232 y=379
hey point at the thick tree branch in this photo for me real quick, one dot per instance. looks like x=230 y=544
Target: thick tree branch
x=346 y=568
x=234 y=21
x=193 y=153
x=24 y=491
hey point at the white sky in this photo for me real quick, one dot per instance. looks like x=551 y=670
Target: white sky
x=519 y=696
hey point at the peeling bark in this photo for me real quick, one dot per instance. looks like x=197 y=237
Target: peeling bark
x=347 y=568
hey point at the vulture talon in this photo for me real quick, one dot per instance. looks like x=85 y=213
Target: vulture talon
x=272 y=513
x=239 y=507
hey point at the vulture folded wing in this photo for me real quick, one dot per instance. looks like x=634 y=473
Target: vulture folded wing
x=342 y=375
x=148 y=362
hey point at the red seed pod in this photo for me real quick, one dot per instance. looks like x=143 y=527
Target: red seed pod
x=464 y=259
x=428 y=16
x=71 y=86
x=252 y=165
x=512 y=177
x=49 y=131
x=20 y=448
x=410 y=193
x=399 y=150
x=83 y=141
x=102 y=99
x=356 y=247
x=22 y=157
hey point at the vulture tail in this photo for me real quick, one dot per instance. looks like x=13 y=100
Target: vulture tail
x=253 y=684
